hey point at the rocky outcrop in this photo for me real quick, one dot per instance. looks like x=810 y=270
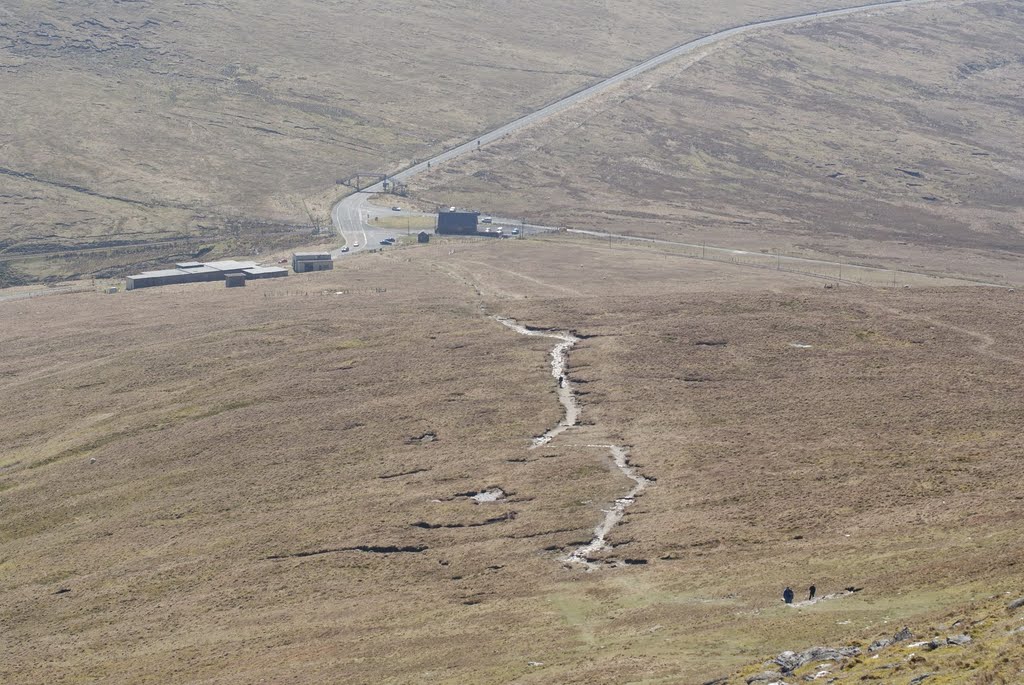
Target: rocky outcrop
x=790 y=661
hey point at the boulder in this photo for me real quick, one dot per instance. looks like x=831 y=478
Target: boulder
x=901 y=636
x=1015 y=604
x=764 y=677
x=790 y=661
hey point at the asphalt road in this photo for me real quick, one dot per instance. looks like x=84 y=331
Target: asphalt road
x=351 y=214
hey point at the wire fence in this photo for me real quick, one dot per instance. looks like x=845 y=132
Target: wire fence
x=838 y=272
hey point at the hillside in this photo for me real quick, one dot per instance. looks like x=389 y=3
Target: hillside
x=983 y=643
x=891 y=138
x=149 y=130
x=275 y=482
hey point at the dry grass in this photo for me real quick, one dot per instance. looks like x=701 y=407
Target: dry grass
x=226 y=124
x=890 y=138
x=232 y=426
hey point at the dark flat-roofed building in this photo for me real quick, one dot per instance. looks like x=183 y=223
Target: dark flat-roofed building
x=454 y=221
x=196 y=272
x=151 y=279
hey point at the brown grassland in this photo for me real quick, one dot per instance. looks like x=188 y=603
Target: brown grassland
x=135 y=132
x=893 y=139
x=273 y=484
x=248 y=443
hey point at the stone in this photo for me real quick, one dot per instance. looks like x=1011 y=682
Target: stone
x=764 y=676
x=962 y=639
x=790 y=661
x=903 y=635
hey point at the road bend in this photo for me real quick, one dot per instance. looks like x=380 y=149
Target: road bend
x=350 y=215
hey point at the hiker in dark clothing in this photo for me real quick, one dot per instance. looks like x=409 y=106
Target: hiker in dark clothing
x=811 y=595
x=787 y=595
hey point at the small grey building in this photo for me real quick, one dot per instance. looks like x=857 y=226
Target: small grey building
x=235 y=280
x=303 y=262
x=423 y=237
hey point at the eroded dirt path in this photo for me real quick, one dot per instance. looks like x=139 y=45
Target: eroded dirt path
x=611 y=516
x=565 y=341
x=559 y=367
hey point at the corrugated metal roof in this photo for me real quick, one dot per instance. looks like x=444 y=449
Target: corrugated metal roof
x=312 y=255
x=201 y=269
x=230 y=265
x=188 y=265
x=163 y=273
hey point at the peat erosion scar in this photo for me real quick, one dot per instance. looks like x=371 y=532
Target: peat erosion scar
x=565 y=341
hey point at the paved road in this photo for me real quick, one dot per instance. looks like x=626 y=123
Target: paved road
x=350 y=214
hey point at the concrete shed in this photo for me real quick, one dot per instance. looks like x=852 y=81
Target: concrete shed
x=303 y=262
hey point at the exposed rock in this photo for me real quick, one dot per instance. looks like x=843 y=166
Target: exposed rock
x=921 y=678
x=955 y=640
x=421 y=439
x=879 y=645
x=1016 y=604
x=790 y=661
x=764 y=676
x=901 y=636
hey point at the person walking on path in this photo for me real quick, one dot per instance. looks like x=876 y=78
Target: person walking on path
x=810 y=595
x=787 y=595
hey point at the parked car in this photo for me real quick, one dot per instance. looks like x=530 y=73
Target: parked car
x=487 y=219
x=345 y=249
x=396 y=208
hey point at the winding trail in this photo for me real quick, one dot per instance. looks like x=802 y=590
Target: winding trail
x=581 y=556
x=559 y=365
x=611 y=516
